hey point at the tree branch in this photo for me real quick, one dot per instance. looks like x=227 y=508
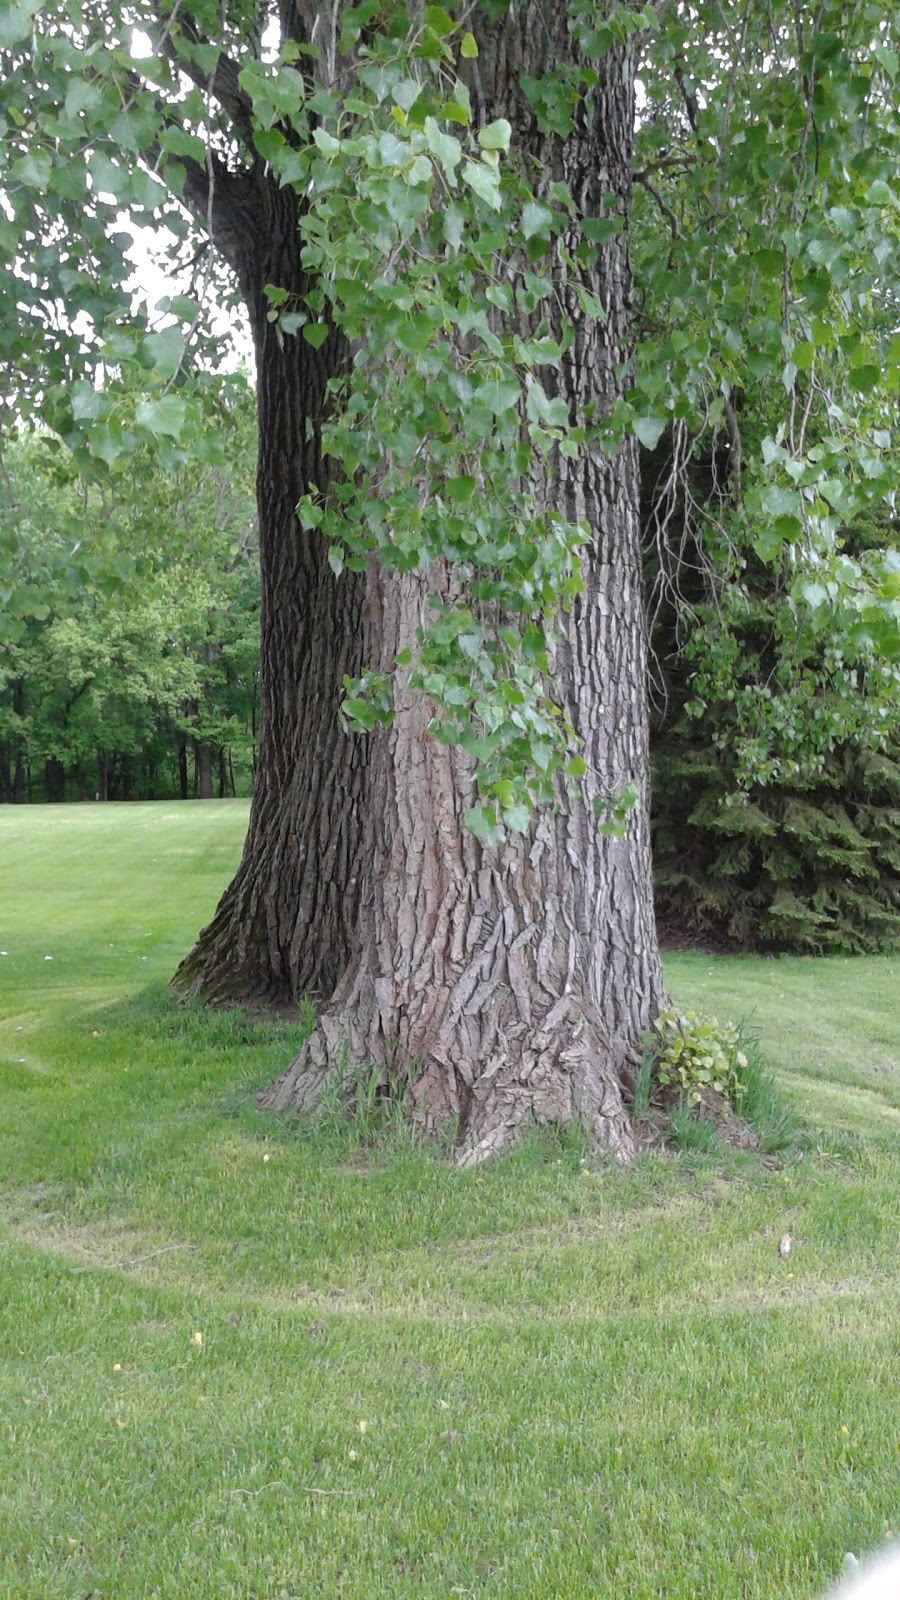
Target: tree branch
x=294 y=25
x=689 y=98
x=668 y=213
x=222 y=83
x=220 y=200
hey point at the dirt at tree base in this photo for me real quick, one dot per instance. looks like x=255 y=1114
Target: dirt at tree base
x=652 y=1128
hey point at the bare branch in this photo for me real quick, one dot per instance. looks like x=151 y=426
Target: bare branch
x=691 y=105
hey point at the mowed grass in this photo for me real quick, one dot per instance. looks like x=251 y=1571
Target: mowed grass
x=536 y=1380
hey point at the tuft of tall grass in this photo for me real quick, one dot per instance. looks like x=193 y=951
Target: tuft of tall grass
x=767 y=1111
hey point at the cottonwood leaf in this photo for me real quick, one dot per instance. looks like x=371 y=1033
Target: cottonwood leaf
x=447 y=149
x=536 y=220
x=484 y=181
x=315 y=333
x=165 y=416
x=496 y=135
x=166 y=350
x=649 y=430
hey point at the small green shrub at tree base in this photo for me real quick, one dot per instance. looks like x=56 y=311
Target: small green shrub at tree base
x=696 y=1052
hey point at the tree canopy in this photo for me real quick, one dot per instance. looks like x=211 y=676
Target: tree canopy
x=764 y=240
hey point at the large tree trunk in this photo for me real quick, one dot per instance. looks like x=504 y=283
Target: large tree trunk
x=284 y=926
x=513 y=983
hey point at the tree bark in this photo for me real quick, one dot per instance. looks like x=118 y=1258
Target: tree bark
x=55 y=779
x=203 y=769
x=495 y=986
x=284 y=926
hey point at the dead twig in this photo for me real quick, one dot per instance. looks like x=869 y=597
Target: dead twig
x=277 y=1484
x=122 y=1266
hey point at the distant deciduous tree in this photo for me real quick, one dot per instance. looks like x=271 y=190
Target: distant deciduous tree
x=133 y=660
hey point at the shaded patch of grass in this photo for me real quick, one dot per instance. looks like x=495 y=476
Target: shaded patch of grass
x=689 y=1131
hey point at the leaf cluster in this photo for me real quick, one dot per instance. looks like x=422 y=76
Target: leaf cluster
x=694 y=1052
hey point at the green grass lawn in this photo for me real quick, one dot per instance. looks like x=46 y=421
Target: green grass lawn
x=529 y=1382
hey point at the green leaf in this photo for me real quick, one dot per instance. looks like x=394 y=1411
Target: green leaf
x=327 y=143
x=649 y=430
x=179 y=142
x=517 y=818
x=496 y=135
x=780 y=501
x=601 y=229
x=824 y=252
x=310 y=515
x=80 y=96
x=447 y=149
x=864 y=378
x=537 y=220
x=467 y=47
x=406 y=93
x=315 y=333
x=485 y=182
x=165 y=416
x=439 y=21
x=33 y=170
x=540 y=407
x=106 y=442
x=16 y=22
x=454 y=226
x=460 y=489
x=166 y=350
x=482 y=821
x=498 y=397
x=108 y=178
x=360 y=711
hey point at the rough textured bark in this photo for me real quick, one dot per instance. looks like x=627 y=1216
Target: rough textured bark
x=284 y=925
x=514 y=983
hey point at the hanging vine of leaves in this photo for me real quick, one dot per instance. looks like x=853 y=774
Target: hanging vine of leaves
x=428 y=248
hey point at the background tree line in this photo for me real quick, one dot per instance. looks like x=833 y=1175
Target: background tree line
x=130 y=671
x=129 y=660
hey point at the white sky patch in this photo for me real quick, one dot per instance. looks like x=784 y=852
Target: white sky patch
x=153 y=278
